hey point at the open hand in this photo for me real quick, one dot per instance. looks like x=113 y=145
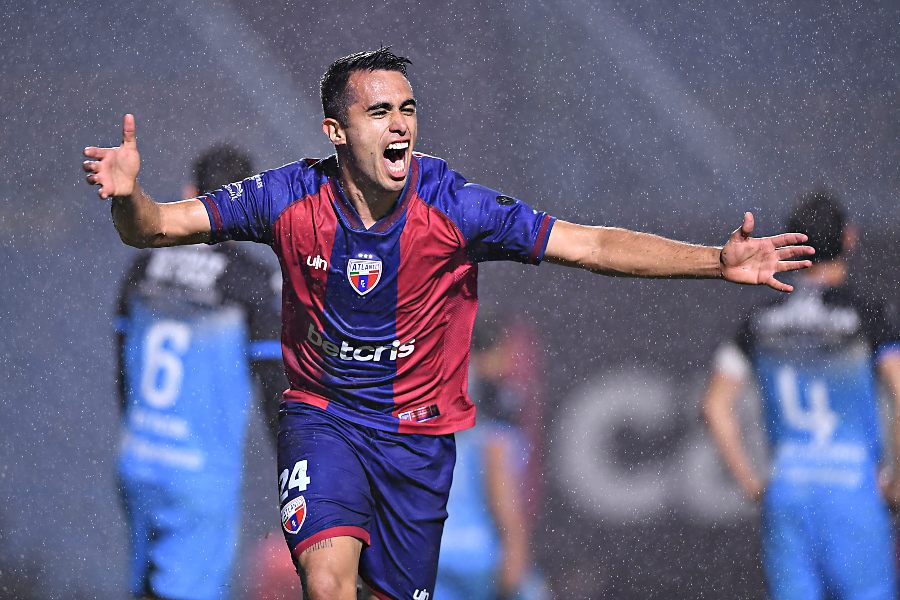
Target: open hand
x=114 y=169
x=750 y=260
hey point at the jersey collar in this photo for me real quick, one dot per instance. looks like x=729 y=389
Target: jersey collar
x=348 y=212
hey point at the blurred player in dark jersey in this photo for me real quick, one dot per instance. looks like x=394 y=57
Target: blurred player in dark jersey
x=825 y=527
x=194 y=323
x=379 y=247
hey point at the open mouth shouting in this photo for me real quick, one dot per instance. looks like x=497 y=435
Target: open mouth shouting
x=396 y=159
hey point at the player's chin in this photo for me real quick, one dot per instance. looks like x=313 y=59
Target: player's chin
x=395 y=183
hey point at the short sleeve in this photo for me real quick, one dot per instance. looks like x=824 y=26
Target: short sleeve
x=245 y=210
x=256 y=285
x=882 y=325
x=500 y=227
x=731 y=360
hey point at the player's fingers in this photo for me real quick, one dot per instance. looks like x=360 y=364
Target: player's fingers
x=95 y=152
x=90 y=166
x=779 y=285
x=794 y=251
x=793 y=265
x=128 y=130
x=788 y=239
x=743 y=232
x=748 y=225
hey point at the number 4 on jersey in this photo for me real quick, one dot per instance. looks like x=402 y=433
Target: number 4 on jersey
x=817 y=418
x=297 y=479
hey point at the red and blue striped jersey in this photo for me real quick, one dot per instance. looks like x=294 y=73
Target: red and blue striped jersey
x=377 y=323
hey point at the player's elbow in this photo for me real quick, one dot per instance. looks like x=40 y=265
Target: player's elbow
x=142 y=239
x=135 y=241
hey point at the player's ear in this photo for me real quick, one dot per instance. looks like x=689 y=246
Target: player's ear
x=334 y=131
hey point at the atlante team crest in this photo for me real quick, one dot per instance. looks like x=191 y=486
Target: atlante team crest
x=364 y=274
x=293 y=514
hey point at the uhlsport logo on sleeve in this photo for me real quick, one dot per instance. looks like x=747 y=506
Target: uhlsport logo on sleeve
x=364 y=273
x=293 y=514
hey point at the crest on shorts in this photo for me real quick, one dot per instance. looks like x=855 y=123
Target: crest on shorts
x=293 y=514
x=364 y=274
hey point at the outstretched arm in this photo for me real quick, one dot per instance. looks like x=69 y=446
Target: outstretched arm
x=140 y=221
x=620 y=252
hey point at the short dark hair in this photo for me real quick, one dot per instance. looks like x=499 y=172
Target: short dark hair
x=333 y=86
x=820 y=216
x=221 y=164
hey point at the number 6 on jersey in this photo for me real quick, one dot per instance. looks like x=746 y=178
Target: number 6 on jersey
x=298 y=479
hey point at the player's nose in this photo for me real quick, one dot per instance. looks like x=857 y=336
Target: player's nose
x=399 y=123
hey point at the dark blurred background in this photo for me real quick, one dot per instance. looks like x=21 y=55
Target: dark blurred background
x=647 y=115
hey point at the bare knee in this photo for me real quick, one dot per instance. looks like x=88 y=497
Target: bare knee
x=329 y=569
x=325 y=584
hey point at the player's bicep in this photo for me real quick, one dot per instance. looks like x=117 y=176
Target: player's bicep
x=730 y=369
x=184 y=222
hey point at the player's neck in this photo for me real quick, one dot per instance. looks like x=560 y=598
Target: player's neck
x=371 y=203
x=831 y=273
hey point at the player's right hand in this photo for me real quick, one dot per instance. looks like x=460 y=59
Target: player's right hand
x=115 y=170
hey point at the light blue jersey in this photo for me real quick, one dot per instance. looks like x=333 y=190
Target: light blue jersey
x=189 y=394
x=826 y=527
x=192 y=322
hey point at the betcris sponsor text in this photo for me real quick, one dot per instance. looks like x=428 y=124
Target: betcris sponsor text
x=346 y=351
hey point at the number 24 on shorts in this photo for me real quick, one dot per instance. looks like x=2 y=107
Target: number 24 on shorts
x=297 y=479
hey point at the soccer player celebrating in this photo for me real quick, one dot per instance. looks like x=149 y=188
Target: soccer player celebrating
x=826 y=531
x=379 y=248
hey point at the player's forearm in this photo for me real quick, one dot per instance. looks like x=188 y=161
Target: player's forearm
x=727 y=438
x=635 y=254
x=502 y=489
x=144 y=223
x=137 y=218
x=514 y=544
x=621 y=252
x=718 y=412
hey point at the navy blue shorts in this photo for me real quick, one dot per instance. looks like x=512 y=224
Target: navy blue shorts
x=337 y=478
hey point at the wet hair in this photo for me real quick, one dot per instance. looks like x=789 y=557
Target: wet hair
x=820 y=216
x=333 y=86
x=219 y=165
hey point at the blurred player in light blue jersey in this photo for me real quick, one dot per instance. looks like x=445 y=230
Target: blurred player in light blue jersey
x=485 y=550
x=193 y=323
x=826 y=530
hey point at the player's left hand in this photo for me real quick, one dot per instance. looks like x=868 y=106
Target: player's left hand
x=754 y=261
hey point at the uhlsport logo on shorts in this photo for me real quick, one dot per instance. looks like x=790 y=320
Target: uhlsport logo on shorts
x=293 y=514
x=364 y=273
